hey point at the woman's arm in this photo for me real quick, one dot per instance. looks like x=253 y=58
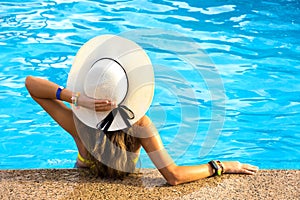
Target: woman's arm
x=174 y=174
x=44 y=93
x=45 y=89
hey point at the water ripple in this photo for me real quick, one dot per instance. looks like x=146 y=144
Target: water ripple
x=254 y=48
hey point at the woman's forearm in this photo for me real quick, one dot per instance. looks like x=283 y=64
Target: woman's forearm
x=193 y=173
x=44 y=89
x=183 y=174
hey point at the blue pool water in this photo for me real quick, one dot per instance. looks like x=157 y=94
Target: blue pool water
x=238 y=99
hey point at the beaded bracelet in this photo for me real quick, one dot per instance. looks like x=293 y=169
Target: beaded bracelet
x=221 y=165
x=74 y=98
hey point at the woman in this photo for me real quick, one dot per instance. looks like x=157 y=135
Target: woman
x=113 y=149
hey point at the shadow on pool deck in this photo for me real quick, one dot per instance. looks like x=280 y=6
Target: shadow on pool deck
x=148 y=184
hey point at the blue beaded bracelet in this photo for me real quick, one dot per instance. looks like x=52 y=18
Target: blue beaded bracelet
x=59 y=89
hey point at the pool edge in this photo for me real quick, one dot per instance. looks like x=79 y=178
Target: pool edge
x=147 y=184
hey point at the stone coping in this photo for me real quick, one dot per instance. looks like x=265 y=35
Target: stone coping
x=147 y=184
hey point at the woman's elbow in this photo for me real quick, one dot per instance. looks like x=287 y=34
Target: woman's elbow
x=28 y=80
x=172 y=181
x=174 y=177
x=29 y=83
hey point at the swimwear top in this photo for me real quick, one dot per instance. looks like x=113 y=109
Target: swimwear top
x=89 y=162
x=83 y=160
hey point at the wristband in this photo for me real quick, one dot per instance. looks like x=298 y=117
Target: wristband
x=58 y=92
x=217 y=166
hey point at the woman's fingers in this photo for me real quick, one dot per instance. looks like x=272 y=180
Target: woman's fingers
x=254 y=168
x=237 y=167
x=251 y=168
x=96 y=104
x=102 y=101
x=248 y=172
x=104 y=105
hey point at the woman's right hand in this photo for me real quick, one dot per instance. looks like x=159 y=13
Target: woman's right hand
x=96 y=104
x=236 y=167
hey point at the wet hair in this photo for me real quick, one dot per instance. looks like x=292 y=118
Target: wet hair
x=112 y=153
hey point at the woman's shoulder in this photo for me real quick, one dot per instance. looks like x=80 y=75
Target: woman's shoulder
x=144 y=128
x=144 y=121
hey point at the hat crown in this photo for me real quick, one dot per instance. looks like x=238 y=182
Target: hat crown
x=106 y=79
x=114 y=68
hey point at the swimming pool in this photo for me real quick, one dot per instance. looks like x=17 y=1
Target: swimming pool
x=241 y=103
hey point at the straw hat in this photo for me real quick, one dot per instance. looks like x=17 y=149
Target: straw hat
x=114 y=68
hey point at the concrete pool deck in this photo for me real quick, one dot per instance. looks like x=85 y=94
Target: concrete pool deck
x=148 y=184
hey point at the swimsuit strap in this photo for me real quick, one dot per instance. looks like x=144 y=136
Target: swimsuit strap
x=83 y=160
x=135 y=160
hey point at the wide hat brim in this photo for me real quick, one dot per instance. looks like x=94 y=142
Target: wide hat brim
x=137 y=67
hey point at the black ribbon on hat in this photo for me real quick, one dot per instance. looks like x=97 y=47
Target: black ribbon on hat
x=107 y=121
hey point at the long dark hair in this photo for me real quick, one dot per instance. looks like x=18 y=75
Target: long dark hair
x=112 y=153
